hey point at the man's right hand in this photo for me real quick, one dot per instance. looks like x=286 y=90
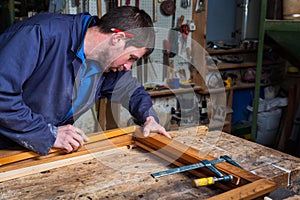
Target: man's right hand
x=69 y=138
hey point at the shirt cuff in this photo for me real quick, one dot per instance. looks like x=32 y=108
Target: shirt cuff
x=53 y=129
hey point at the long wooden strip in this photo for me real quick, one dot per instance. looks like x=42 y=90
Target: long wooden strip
x=179 y=164
x=9 y=175
x=255 y=187
x=252 y=190
x=189 y=155
x=33 y=165
x=97 y=137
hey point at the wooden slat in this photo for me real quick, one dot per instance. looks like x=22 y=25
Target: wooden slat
x=179 y=164
x=178 y=150
x=99 y=8
x=252 y=190
x=34 y=165
x=97 y=137
x=249 y=185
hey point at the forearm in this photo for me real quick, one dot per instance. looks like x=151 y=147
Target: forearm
x=141 y=106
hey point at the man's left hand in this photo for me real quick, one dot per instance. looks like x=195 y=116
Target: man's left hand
x=152 y=126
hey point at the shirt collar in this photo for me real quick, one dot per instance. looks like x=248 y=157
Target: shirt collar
x=87 y=21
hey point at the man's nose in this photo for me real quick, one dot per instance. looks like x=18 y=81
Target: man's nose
x=127 y=66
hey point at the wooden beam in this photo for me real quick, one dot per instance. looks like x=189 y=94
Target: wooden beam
x=55 y=160
x=96 y=137
x=252 y=190
x=99 y=8
x=189 y=155
x=245 y=184
x=198 y=45
x=102 y=105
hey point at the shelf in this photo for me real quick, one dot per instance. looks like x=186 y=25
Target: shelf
x=227 y=66
x=282 y=25
x=291 y=75
x=174 y=91
x=241 y=85
x=229 y=51
x=286 y=34
x=238 y=86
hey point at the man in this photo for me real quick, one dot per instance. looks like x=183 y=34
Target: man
x=54 y=67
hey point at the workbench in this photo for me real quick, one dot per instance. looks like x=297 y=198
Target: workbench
x=125 y=172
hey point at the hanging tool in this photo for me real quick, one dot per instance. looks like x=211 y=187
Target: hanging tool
x=112 y=4
x=204 y=163
x=146 y=59
x=139 y=70
x=154 y=10
x=185 y=3
x=203 y=113
x=184 y=30
x=191 y=67
x=166 y=58
x=137 y=3
x=229 y=79
x=168 y=7
x=173 y=37
x=200 y=6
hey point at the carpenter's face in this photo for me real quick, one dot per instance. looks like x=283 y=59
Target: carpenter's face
x=126 y=58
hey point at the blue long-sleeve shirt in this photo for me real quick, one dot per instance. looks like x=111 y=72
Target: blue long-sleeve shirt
x=38 y=66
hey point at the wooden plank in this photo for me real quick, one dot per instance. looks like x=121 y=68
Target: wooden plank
x=249 y=185
x=113 y=111
x=245 y=185
x=99 y=8
x=179 y=164
x=252 y=190
x=190 y=155
x=97 y=137
x=198 y=45
x=35 y=165
x=12 y=174
x=102 y=105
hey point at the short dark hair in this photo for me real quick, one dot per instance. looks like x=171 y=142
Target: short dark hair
x=132 y=20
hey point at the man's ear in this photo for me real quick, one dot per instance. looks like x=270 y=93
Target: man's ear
x=118 y=38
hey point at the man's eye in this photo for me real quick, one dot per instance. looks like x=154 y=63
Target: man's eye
x=133 y=58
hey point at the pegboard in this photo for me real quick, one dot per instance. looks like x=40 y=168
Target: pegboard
x=93 y=10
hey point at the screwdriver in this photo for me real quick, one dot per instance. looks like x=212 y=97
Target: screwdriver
x=210 y=180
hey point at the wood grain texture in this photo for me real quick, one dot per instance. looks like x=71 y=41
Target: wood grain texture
x=15 y=157
x=90 y=179
x=59 y=159
x=245 y=184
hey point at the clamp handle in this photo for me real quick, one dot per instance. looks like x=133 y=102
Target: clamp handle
x=211 y=180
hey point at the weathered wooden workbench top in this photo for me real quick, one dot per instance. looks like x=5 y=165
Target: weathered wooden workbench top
x=124 y=173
